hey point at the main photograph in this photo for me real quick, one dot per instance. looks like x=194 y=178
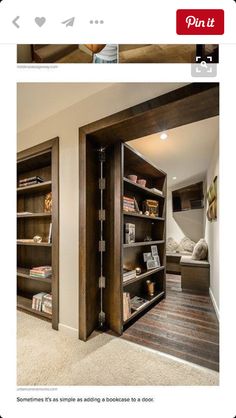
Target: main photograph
x=117 y=234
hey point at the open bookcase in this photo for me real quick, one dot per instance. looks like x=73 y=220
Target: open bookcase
x=121 y=162
x=37 y=182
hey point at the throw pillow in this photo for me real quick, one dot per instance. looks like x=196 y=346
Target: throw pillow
x=171 y=245
x=186 y=245
x=200 y=250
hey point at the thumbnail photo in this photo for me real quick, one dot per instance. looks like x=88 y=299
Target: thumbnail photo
x=118 y=234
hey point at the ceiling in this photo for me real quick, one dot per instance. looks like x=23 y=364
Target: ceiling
x=39 y=101
x=185 y=154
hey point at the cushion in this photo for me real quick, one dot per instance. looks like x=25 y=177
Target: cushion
x=171 y=245
x=186 y=245
x=200 y=250
x=188 y=261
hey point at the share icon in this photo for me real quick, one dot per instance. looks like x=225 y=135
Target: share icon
x=69 y=22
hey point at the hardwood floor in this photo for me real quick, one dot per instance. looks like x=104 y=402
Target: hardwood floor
x=182 y=325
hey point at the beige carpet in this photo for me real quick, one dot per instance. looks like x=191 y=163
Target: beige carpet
x=49 y=358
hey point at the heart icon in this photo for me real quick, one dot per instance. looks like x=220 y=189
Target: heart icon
x=40 y=21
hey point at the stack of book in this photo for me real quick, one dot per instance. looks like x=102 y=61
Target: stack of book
x=47 y=304
x=37 y=301
x=29 y=181
x=41 y=272
x=126 y=306
x=128 y=204
x=136 y=303
x=128 y=274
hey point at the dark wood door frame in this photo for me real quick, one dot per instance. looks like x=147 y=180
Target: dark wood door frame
x=188 y=104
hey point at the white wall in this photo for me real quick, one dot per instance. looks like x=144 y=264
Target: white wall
x=65 y=124
x=212 y=232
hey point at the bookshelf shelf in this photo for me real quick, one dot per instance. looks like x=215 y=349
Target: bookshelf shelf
x=34 y=244
x=24 y=273
x=25 y=304
x=143 y=275
x=35 y=188
x=136 y=187
x=34 y=164
x=138 y=215
x=146 y=305
x=141 y=244
x=34 y=215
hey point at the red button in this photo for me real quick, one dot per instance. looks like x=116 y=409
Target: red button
x=200 y=22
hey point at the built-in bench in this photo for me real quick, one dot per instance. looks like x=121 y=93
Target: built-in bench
x=195 y=275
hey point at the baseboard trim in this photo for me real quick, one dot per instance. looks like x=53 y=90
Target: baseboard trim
x=214 y=304
x=65 y=329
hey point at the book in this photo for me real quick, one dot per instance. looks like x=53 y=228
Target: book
x=42 y=271
x=24 y=240
x=33 y=178
x=128 y=274
x=129 y=233
x=50 y=233
x=47 y=304
x=137 y=302
x=24 y=213
x=126 y=306
x=37 y=301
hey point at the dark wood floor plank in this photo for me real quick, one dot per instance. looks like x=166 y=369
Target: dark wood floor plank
x=183 y=325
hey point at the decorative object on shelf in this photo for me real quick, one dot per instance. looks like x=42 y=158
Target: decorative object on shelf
x=212 y=201
x=151 y=206
x=37 y=238
x=157 y=259
x=142 y=182
x=147 y=238
x=126 y=306
x=128 y=204
x=152 y=259
x=132 y=177
x=137 y=303
x=147 y=256
x=150 y=287
x=129 y=233
x=154 y=250
x=146 y=212
x=138 y=271
x=48 y=203
x=152 y=264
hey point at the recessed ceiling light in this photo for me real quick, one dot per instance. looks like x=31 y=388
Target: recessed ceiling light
x=163 y=136
x=174 y=178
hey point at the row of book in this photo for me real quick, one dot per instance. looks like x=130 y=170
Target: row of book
x=42 y=302
x=29 y=181
x=41 y=272
x=131 y=305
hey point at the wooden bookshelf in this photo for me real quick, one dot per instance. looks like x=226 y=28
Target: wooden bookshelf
x=122 y=161
x=41 y=160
